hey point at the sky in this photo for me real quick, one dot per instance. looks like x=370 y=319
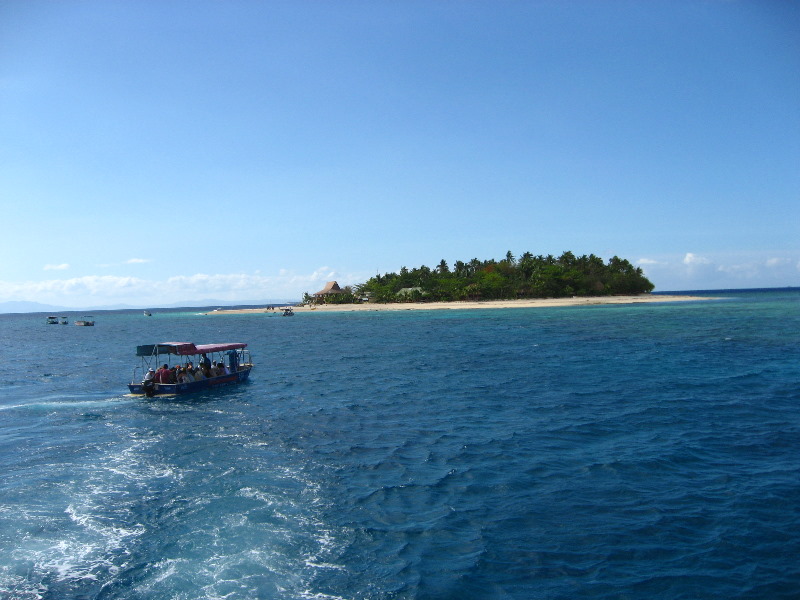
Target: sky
x=154 y=153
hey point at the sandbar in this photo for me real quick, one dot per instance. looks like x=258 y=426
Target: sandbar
x=471 y=305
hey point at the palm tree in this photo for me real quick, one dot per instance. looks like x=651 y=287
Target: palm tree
x=525 y=266
x=474 y=266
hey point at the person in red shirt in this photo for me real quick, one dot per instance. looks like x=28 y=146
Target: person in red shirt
x=163 y=375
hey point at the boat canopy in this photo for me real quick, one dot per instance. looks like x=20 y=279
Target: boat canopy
x=184 y=348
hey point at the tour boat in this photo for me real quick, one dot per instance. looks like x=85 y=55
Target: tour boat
x=87 y=321
x=147 y=313
x=52 y=320
x=233 y=357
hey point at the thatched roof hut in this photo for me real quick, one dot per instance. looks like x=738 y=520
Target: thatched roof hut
x=330 y=288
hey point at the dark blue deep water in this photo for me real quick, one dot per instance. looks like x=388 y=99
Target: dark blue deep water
x=625 y=452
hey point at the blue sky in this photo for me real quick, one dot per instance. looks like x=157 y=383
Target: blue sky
x=159 y=152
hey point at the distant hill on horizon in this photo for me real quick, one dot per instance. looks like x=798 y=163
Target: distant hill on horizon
x=24 y=307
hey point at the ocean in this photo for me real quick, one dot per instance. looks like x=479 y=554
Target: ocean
x=608 y=452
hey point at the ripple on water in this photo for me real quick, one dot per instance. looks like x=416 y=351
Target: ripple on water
x=592 y=453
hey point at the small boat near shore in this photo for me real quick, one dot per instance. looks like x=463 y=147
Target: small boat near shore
x=86 y=321
x=147 y=313
x=233 y=358
x=52 y=320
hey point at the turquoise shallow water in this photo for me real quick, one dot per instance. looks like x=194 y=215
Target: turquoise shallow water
x=646 y=451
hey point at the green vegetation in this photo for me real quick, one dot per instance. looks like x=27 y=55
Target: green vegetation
x=527 y=277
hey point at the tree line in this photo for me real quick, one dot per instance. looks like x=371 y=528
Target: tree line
x=528 y=276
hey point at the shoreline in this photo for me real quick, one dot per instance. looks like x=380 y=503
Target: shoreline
x=470 y=305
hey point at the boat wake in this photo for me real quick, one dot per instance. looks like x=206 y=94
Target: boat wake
x=134 y=513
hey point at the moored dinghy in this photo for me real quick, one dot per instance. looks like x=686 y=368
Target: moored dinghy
x=232 y=357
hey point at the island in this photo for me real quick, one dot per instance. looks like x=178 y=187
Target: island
x=527 y=282
x=528 y=277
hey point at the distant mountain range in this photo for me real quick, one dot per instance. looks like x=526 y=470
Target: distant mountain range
x=23 y=307
x=38 y=307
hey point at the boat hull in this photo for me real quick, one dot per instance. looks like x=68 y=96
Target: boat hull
x=170 y=389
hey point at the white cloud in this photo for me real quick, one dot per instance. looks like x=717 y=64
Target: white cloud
x=693 y=259
x=746 y=269
x=61 y=267
x=137 y=261
x=99 y=290
x=689 y=271
x=777 y=262
x=53 y=290
x=756 y=268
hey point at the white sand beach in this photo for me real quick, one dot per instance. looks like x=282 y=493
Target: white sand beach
x=467 y=305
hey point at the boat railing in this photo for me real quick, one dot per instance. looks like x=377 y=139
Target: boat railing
x=133 y=379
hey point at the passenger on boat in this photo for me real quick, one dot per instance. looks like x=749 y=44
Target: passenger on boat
x=205 y=362
x=198 y=374
x=233 y=361
x=149 y=383
x=163 y=375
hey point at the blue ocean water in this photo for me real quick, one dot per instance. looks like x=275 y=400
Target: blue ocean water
x=628 y=451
